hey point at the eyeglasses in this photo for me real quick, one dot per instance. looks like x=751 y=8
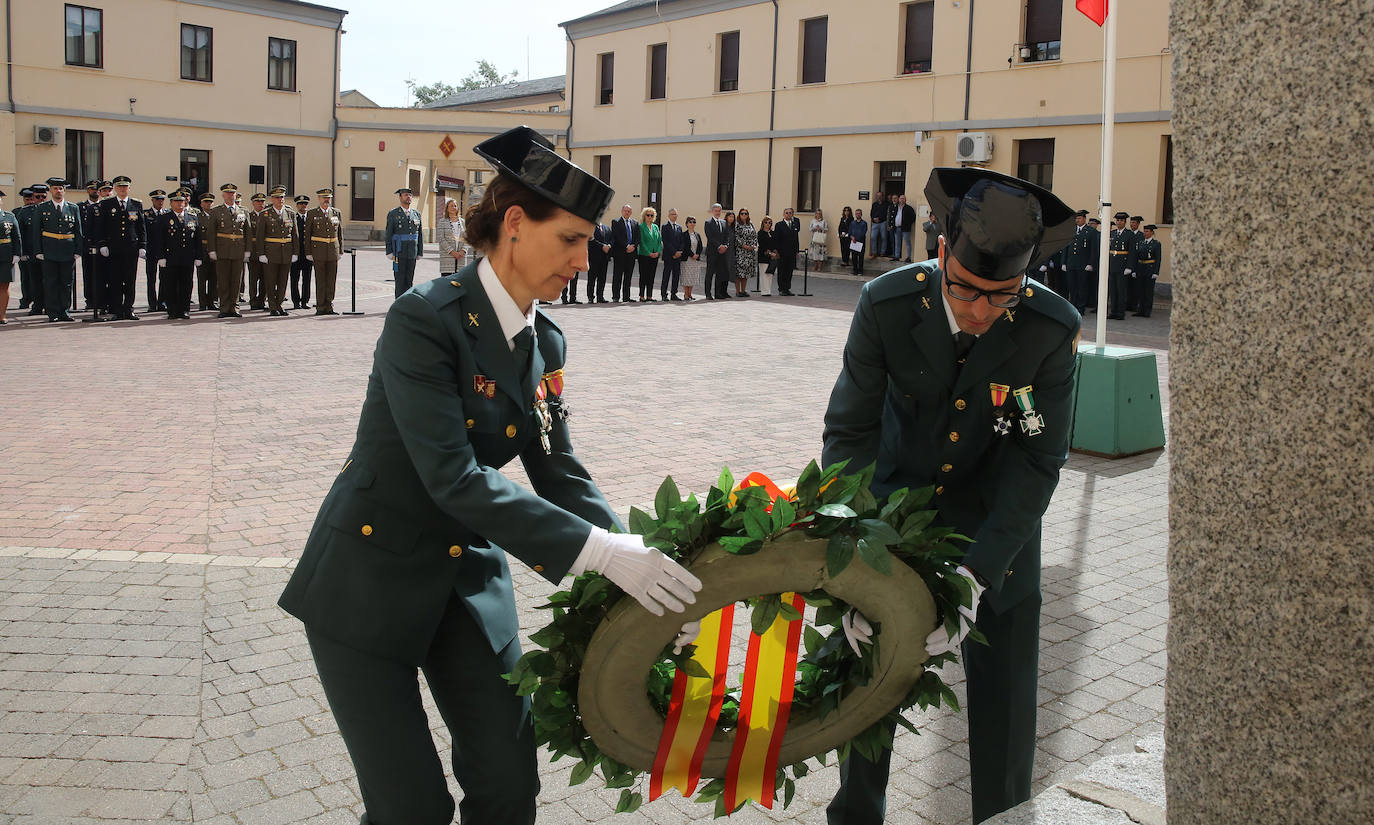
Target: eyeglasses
x=1002 y=299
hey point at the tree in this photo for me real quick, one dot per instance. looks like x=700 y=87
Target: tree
x=485 y=76
x=428 y=93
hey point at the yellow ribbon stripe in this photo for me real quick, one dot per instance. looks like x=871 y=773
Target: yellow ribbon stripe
x=694 y=709
x=765 y=703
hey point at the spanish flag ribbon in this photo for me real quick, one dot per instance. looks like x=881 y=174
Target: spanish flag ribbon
x=760 y=480
x=694 y=709
x=769 y=679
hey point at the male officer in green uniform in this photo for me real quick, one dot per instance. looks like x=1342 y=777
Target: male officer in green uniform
x=227 y=243
x=323 y=244
x=405 y=240
x=11 y=250
x=31 y=285
x=1118 y=267
x=275 y=246
x=960 y=377
x=1080 y=258
x=56 y=240
x=1145 y=267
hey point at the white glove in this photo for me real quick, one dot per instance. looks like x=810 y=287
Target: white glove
x=247 y=255
x=1089 y=267
x=1152 y=277
x=310 y=257
x=213 y=256
x=197 y=263
x=856 y=630
x=1042 y=267
x=23 y=257
x=293 y=259
x=39 y=256
x=686 y=636
x=163 y=261
x=262 y=259
x=941 y=642
x=1128 y=272
x=104 y=252
x=142 y=253
x=653 y=579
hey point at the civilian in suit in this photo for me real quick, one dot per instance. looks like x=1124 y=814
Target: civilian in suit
x=858 y=233
x=406 y=568
x=674 y=239
x=598 y=258
x=302 y=267
x=719 y=264
x=177 y=246
x=786 y=236
x=624 y=244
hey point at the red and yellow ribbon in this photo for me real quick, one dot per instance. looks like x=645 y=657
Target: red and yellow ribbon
x=769 y=679
x=694 y=709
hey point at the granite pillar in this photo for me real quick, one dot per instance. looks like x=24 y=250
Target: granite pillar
x=1270 y=710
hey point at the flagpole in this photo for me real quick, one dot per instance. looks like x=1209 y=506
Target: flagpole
x=1105 y=188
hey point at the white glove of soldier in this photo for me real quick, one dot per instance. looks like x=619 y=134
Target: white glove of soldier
x=293 y=258
x=262 y=259
x=1152 y=277
x=247 y=255
x=163 y=261
x=1043 y=267
x=653 y=579
x=941 y=642
x=1089 y=267
x=856 y=630
x=39 y=256
x=197 y=263
x=104 y=252
x=686 y=636
x=142 y=253
x=213 y=256
x=310 y=257
x=23 y=257
x=1128 y=272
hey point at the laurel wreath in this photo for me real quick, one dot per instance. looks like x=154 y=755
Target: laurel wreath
x=827 y=504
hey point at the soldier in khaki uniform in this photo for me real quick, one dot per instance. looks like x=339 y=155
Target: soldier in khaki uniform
x=226 y=242
x=206 y=290
x=323 y=244
x=274 y=244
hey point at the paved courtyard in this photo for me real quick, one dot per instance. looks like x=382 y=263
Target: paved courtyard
x=159 y=479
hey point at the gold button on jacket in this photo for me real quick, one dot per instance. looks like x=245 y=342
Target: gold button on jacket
x=367 y=529
x=510 y=431
x=960 y=403
x=953 y=436
x=455 y=551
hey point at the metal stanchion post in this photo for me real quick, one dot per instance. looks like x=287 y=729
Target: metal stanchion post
x=353 y=283
x=95 y=293
x=806 y=275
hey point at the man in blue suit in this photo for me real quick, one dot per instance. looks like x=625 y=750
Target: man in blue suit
x=960 y=377
x=674 y=250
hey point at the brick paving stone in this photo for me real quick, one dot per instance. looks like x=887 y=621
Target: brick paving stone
x=146 y=673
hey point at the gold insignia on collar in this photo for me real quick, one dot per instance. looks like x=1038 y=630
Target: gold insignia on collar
x=472 y=319
x=455 y=283
x=925 y=302
x=1011 y=317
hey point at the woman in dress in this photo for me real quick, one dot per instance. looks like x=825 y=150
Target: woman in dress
x=768 y=256
x=819 y=242
x=650 y=249
x=448 y=231
x=406 y=566
x=746 y=253
x=846 y=218
x=693 y=267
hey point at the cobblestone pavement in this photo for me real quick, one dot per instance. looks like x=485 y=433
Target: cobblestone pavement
x=160 y=477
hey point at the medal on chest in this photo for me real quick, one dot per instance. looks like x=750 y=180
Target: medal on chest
x=1032 y=422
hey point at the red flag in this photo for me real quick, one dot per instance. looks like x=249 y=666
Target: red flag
x=1096 y=10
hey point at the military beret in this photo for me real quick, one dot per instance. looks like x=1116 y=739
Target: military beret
x=302 y=199
x=403 y=189
x=56 y=181
x=1137 y=218
x=122 y=180
x=26 y=191
x=40 y=189
x=325 y=191
x=1151 y=227
x=157 y=193
x=997 y=225
x=1082 y=213
x=528 y=158
x=228 y=187
x=1120 y=215
x=178 y=196
x=258 y=196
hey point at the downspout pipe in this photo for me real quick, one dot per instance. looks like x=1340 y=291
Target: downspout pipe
x=9 y=62
x=334 y=109
x=568 y=92
x=772 y=111
x=968 y=65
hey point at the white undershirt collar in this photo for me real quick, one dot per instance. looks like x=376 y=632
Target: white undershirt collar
x=508 y=314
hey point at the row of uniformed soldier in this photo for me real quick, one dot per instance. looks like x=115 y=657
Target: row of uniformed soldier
x=1133 y=263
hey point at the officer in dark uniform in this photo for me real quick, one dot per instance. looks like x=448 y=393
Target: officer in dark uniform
x=257 y=291
x=1132 y=276
x=56 y=241
x=122 y=243
x=1145 y=267
x=207 y=283
x=302 y=264
x=158 y=200
x=1118 y=262
x=406 y=566
x=405 y=240
x=177 y=246
x=1079 y=262
x=961 y=377
x=31 y=288
x=11 y=250
x=90 y=218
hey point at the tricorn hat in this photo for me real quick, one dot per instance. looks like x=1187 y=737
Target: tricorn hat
x=56 y=181
x=1120 y=216
x=527 y=157
x=996 y=225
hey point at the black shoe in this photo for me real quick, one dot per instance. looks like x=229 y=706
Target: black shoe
x=574 y=301
x=1116 y=317
x=3 y=322
x=128 y=316
x=286 y=312
x=723 y=297
x=24 y=304
x=36 y=311
x=1141 y=315
x=675 y=298
x=66 y=319
x=304 y=305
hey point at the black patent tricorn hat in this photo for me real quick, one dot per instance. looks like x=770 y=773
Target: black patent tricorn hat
x=525 y=156
x=996 y=225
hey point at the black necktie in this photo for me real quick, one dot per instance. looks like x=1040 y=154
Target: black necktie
x=524 y=346
x=963 y=342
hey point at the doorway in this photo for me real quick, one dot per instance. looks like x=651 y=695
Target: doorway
x=195 y=171
x=362 y=203
x=892 y=177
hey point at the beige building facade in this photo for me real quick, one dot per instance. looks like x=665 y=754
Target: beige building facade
x=685 y=102
x=170 y=91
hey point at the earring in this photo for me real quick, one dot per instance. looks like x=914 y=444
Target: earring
x=513 y=239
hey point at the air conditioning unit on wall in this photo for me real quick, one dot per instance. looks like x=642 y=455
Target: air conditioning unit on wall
x=46 y=135
x=973 y=147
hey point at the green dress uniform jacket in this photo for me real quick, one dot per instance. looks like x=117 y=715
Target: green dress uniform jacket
x=56 y=232
x=275 y=237
x=11 y=243
x=420 y=511
x=226 y=232
x=323 y=240
x=404 y=233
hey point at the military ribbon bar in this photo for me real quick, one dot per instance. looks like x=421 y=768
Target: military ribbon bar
x=693 y=709
x=770 y=674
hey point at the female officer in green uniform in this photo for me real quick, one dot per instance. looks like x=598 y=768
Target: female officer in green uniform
x=405 y=567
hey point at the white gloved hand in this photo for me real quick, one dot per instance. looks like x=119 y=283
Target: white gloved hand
x=213 y=256
x=686 y=636
x=262 y=259
x=1128 y=272
x=163 y=261
x=856 y=630
x=39 y=256
x=247 y=255
x=939 y=641
x=142 y=253
x=197 y=263
x=653 y=579
x=1152 y=277
x=310 y=257
x=23 y=257
x=1089 y=267
x=293 y=258
x=104 y=252
x=1043 y=267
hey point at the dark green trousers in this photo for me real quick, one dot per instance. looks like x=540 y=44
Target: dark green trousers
x=377 y=705
x=1001 y=706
